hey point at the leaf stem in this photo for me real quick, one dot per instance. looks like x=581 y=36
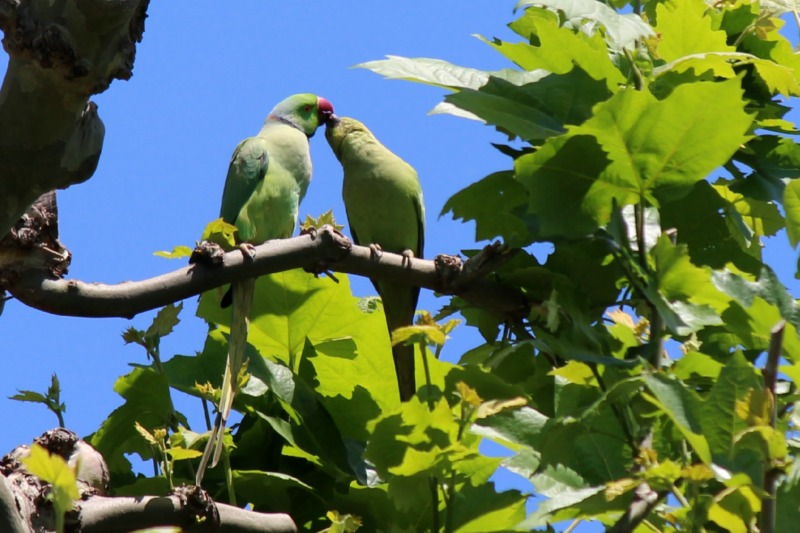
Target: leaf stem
x=422 y=347
x=226 y=464
x=433 y=483
x=641 y=83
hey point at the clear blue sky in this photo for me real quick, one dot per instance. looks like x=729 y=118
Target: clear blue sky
x=204 y=79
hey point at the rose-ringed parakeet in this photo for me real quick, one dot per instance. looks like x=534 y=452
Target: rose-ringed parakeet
x=267 y=178
x=383 y=200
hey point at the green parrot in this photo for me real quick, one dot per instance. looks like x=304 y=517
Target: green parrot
x=267 y=178
x=383 y=200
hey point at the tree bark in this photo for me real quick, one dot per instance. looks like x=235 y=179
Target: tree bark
x=61 y=52
x=325 y=249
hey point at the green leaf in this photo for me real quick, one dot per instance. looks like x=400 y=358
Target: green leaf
x=560 y=50
x=635 y=147
x=509 y=107
x=711 y=225
x=178 y=252
x=684 y=29
x=29 y=396
x=774 y=161
x=220 y=232
x=623 y=30
x=683 y=407
x=182 y=454
x=165 y=321
x=720 y=421
x=759 y=217
x=754 y=324
x=441 y=73
x=791 y=203
x=480 y=509
x=148 y=402
x=768 y=287
x=534 y=110
x=413 y=439
x=54 y=469
x=313 y=428
x=293 y=306
x=272 y=491
x=325 y=218
x=566 y=174
x=665 y=147
x=494 y=204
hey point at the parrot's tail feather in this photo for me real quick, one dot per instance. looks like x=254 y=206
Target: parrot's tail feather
x=399 y=305
x=201 y=469
x=237 y=343
x=404 y=368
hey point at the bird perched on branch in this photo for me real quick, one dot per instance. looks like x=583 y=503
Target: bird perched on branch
x=385 y=210
x=267 y=178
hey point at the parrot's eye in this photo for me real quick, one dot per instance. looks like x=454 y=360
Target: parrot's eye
x=307 y=108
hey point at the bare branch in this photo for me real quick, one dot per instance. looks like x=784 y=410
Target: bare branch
x=61 y=53
x=767 y=519
x=325 y=249
x=101 y=514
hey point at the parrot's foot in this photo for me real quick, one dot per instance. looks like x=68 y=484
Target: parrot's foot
x=375 y=251
x=248 y=250
x=408 y=255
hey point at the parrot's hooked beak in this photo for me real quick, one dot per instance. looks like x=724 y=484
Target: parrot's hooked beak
x=333 y=120
x=324 y=110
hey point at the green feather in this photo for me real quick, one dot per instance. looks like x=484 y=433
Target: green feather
x=383 y=199
x=267 y=178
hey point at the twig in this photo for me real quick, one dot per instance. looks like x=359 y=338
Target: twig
x=644 y=501
x=770 y=373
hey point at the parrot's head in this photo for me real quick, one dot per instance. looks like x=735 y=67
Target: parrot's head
x=339 y=128
x=306 y=112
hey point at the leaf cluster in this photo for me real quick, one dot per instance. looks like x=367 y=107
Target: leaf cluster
x=650 y=153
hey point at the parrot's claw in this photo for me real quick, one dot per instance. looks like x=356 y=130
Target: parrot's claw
x=375 y=251
x=248 y=250
x=408 y=255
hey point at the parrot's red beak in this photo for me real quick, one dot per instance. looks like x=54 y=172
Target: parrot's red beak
x=324 y=110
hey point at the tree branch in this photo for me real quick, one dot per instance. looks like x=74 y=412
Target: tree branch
x=644 y=501
x=61 y=53
x=101 y=514
x=10 y=519
x=326 y=249
x=771 y=472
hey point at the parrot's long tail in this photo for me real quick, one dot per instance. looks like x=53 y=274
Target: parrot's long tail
x=399 y=305
x=404 y=368
x=242 y=292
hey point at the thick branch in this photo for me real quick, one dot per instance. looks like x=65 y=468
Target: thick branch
x=100 y=514
x=10 y=519
x=326 y=249
x=60 y=54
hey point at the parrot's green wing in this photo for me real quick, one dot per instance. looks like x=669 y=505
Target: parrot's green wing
x=383 y=199
x=248 y=167
x=267 y=178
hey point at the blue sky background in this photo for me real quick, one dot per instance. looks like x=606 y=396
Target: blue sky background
x=204 y=79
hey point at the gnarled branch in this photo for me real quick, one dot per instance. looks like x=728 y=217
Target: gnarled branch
x=61 y=53
x=325 y=249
